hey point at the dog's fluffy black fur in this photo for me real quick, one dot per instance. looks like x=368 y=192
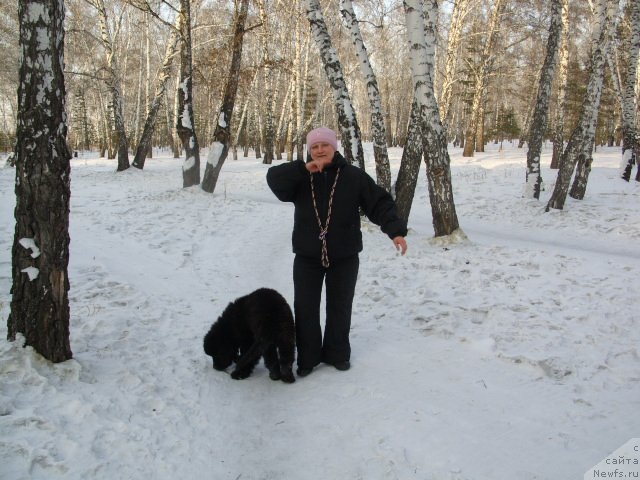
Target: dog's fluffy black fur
x=258 y=324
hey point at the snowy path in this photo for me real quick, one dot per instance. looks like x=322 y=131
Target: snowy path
x=511 y=355
x=548 y=242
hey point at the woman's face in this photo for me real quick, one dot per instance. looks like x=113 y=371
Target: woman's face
x=322 y=152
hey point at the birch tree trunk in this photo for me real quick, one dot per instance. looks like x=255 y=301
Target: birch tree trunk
x=40 y=253
x=301 y=98
x=482 y=77
x=579 y=187
x=294 y=112
x=581 y=140
x=349 y=129
x=107 y=148
x=414 y=146
x=563 y=78
x=185 y=124
x=480 y=128
x=243 y=116
x=527 y=125
x=144 y=145
x=222 y=135
x=283 y=123
x=137 y=114
x=378 y=130
x=176 y=143
x=268 y=87
x=409 y=170
x=630 y=146
x=147 y=83
x=421 y=51
x=113 y=83
x=259 y=131
x=458 y=15
x=583 y=169
x=541 y=111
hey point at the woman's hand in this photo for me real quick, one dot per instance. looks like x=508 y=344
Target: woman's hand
x=400 y=244
x=315 y=166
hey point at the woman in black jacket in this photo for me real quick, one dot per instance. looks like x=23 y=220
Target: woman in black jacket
x=328 y=194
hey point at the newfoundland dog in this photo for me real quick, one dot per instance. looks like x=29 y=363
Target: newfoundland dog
x=258 y=324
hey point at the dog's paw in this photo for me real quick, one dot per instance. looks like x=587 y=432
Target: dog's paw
x=287 y=377
x=274 y=375
x=236 y=375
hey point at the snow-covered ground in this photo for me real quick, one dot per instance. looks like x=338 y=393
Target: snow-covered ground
x=511 y=355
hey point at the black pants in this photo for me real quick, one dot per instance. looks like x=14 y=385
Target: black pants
x=340 y=281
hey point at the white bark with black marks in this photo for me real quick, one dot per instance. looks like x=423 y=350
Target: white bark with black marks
x=421 y=38
x=222 y=136
x=349 y=129
x=113 y=83
x=185 y=121
x=460 y=10
x=267 y=70
x=630 y=146
x=40 y=254
x=541 y=110
x=482 y=77
x=563 y=78
x=581 y=142
x=378 y=131
x=144 y=145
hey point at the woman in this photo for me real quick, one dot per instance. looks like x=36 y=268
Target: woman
x=328 y=194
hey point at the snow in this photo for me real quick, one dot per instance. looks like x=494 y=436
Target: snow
x=511 y=354
x=32 y=273
x=215 y=153
x=189 y=163
x=221 y=121
x=30 y=244
x=36 y=11
x=184 y=118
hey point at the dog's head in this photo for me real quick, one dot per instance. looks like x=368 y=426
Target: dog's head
x=223 y=358
x=217 y=345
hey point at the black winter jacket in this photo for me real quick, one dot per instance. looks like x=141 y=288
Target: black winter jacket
x=354 y=190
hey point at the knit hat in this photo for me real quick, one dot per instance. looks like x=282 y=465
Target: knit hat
x=322 y=134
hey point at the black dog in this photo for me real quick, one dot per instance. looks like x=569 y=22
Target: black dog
x=258 y=324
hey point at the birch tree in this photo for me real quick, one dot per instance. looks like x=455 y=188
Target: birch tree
x=301 y=71
x=414 y=146
x=583 y=166
x=300 y=64
x=185 y=123
x=267 y=68
x=540 y=113
x=582 y=139
x=454 y=40
x=296 y=111
x=421 y=51
x=114 y=85
x=349 y=129
x=40 y=253
x=630 y=145
x=378 y=130
x=222 y=135
x=563 y=77
x=407 y=179
x=144 y=145
x=481 y=78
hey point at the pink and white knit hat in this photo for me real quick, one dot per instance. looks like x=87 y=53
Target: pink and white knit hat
x=322 y=134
